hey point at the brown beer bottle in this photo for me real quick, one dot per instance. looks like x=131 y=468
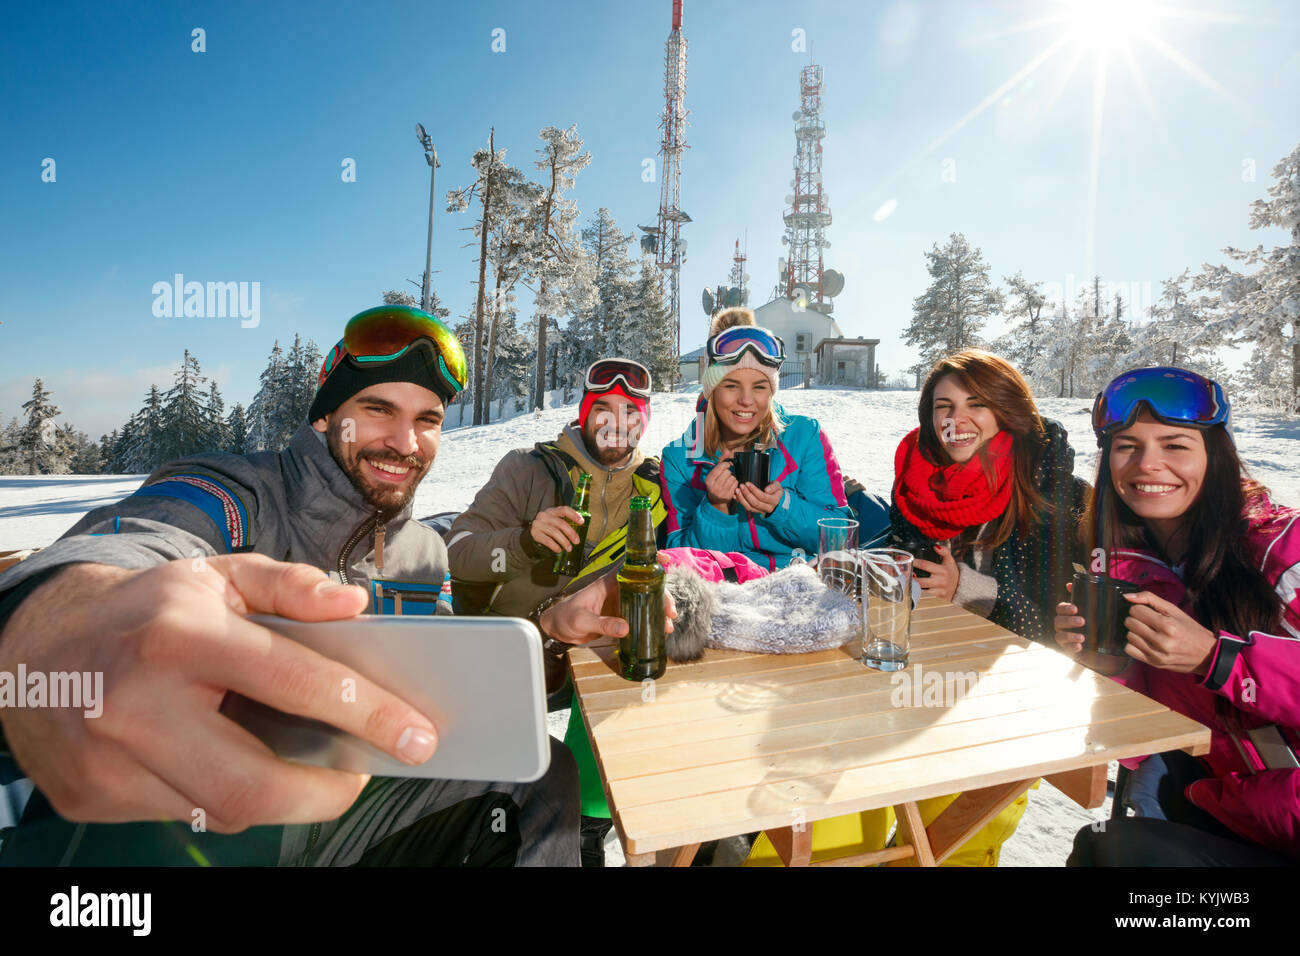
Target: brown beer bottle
x=643 y=652
x=569 y=563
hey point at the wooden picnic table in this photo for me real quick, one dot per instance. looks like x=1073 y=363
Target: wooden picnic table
x=739 y=742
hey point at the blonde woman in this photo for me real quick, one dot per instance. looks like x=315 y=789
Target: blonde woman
x=707 y=506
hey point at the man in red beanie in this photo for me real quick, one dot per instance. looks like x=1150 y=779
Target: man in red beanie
x=503 y=548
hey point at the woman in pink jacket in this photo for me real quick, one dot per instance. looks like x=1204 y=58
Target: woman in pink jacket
x=1214 y=633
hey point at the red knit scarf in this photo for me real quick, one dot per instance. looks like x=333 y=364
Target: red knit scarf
x=942 y=501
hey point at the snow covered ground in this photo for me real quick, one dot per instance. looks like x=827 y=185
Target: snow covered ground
x=864 y=428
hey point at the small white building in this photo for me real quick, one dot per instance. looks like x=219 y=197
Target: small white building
x=801 y=329
x=847 y=362
x=691 y=364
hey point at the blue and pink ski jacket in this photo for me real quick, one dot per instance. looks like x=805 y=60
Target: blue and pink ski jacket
x=1254 y=680
x=802 y=462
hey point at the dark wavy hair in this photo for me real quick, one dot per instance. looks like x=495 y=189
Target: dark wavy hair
x=1224 y=587
x=995 y=382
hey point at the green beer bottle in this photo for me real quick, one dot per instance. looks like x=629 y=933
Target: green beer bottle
x=569 y=563
x=643 y=652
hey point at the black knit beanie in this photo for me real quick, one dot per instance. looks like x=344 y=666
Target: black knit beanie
x=418 y=365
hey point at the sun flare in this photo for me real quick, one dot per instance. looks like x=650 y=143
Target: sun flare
x=1108 y=25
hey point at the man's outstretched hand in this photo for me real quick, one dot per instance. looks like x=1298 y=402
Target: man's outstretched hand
x=593 y=612
x=170 y=641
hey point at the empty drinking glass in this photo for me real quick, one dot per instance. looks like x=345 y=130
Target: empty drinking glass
x=887 y=607
x=837 y=562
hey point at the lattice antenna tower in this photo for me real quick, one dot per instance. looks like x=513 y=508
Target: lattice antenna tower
x=739 y=278
x=808 y=210
x=670 y=247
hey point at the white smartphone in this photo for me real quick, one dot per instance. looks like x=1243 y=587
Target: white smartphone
x=479 y=679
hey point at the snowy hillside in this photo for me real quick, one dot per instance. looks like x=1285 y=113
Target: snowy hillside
x=864 y=428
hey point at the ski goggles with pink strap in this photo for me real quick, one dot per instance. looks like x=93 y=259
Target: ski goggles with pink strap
x=727 y=347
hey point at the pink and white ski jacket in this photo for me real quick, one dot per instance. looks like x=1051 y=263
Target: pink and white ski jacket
x=1253 y=680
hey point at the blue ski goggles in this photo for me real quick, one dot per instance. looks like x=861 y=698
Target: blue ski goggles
x=1173 y=395
x=727 y=347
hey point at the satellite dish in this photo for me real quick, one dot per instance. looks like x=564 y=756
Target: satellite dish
x=733 y=297
x=648 y=244
x=419 y=131
x=706 y=300
x=832 y=283
x=681 y=244
x=789 y=200
x=797 y=115
x=785 y=240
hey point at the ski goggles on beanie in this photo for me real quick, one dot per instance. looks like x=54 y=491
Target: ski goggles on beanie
x=605 y=374
x=727 y=347
x=391 y=343
x=388 y=333
x=1174 y=395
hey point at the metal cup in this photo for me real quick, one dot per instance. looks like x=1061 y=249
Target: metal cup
x=1103 y=609
x=751 y=466
x=917 y=547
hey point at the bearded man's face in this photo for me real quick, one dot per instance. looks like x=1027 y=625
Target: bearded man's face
x=612 y=430
x=385 y=439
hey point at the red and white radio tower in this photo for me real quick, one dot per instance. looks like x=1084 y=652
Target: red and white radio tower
x=739 y=278
x=670 y=248
x=808 y=212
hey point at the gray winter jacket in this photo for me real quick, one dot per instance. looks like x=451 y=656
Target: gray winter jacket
x=294 y=505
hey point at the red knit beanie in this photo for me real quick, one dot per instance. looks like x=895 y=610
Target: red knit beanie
x=642 y=406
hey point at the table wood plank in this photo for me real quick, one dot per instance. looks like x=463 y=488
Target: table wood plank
x=706 y=685
x=911 y=831
x=968 y=814
x=1085 y=786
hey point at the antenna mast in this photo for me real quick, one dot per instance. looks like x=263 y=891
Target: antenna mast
x=670 y=247
x=808 y=212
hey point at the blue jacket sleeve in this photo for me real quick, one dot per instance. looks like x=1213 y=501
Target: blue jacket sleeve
x=816 y=492
x=692 y=521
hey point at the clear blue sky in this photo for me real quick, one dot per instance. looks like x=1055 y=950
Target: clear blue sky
x=225 y=165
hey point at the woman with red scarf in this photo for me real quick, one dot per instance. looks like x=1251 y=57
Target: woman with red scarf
x=990 y=484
